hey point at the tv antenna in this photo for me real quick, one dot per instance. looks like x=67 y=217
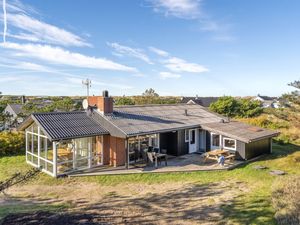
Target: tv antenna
x=88 y=84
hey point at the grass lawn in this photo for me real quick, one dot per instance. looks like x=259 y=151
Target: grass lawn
x=249 y=201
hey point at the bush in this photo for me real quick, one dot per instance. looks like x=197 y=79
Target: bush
x=124 y=101
x=283 y=139
x=11 y=143
x=232 y=107
x=227 y=106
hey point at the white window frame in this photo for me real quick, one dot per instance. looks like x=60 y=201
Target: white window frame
x=211 y=140
x=187 y=135
x=230 y=139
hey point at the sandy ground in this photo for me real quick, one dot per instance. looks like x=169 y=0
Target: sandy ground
x=170 y=203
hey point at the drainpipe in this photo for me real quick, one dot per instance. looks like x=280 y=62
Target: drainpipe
x=90 y=153
x=221 y=141
x=127 y=154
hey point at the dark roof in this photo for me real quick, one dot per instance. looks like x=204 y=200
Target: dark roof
x=240 y=131
x=267 y=98
x=204 y=101
x=127 y=121
x=65 y=125
x=17 y=108
x=138 y=120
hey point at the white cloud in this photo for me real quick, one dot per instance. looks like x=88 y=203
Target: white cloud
x=179 y=65
x=43 y=32
x=138 y=75
x=4 y=20
x=185 y=9
x=167 y=75
x=133 y=52
x=61 y=56
x=8 y=79
x=159 y=51
x=32 y=66
x=34 y=30
x=191 y=9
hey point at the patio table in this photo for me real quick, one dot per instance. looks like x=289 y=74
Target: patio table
x=215 y=154
x=157 y=156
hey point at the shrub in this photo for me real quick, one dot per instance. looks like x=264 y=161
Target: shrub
x=232 y=107
x=11 y=143
x=227 y=106
x=124 y=101
x=283 y=139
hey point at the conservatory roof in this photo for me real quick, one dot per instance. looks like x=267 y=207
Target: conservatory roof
x=65 y=125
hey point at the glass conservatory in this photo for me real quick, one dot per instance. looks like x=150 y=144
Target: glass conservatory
x=64 y=156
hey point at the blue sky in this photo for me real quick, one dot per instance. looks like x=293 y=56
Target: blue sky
x=177 y=47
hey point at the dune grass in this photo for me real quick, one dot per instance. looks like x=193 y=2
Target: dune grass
x=252 y=207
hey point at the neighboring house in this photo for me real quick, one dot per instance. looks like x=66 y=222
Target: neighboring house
x=63 y=142
x=268 y=102
x=13 y=111
x=204 y=101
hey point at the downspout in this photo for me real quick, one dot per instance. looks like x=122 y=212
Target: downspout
x=127 y=154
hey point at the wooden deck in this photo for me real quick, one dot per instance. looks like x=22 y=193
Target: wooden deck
x=185 y=163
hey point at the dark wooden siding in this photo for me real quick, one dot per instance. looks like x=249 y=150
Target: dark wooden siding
x=240 y=150
x=168 y=141
x=257 y=148
x=182 y=146
x=207 y=141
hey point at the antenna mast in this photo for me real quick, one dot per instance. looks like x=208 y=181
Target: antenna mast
x=88 y=84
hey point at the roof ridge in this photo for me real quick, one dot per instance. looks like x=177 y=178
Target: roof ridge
x=70 y=112
x=133 y=106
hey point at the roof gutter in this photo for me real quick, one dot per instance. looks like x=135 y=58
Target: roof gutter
x=163 y=131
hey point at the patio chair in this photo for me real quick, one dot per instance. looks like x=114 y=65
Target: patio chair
x=136 y=155
x=144 y=155
x=150 y=158
x=163 y=151
x=156 y=150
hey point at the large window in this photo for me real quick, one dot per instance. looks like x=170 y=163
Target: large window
x=71 y=155
x=229 y=143
x=39 y=150
x=186 y=135
x=215 y=140
x=140 y=143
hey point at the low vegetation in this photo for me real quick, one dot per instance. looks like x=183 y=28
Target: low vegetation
x=285 y=120
x=12 y=143
x=240 y=196
x=148 y=97
x=286 y=200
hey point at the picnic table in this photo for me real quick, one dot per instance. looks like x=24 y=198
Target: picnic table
x=215 y=154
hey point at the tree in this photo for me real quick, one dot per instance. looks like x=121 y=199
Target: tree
x=249 y=108
x=150 y=93
x=231 y=107
x=295 y=84
x=294 y=96
x=65 y=104
x=227 y=106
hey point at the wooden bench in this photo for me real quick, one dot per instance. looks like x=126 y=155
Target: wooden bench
x=230 y=157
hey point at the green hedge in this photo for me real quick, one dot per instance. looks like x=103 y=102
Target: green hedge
x=12 y=143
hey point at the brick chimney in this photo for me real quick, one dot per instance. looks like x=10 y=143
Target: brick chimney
x=103 y=103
